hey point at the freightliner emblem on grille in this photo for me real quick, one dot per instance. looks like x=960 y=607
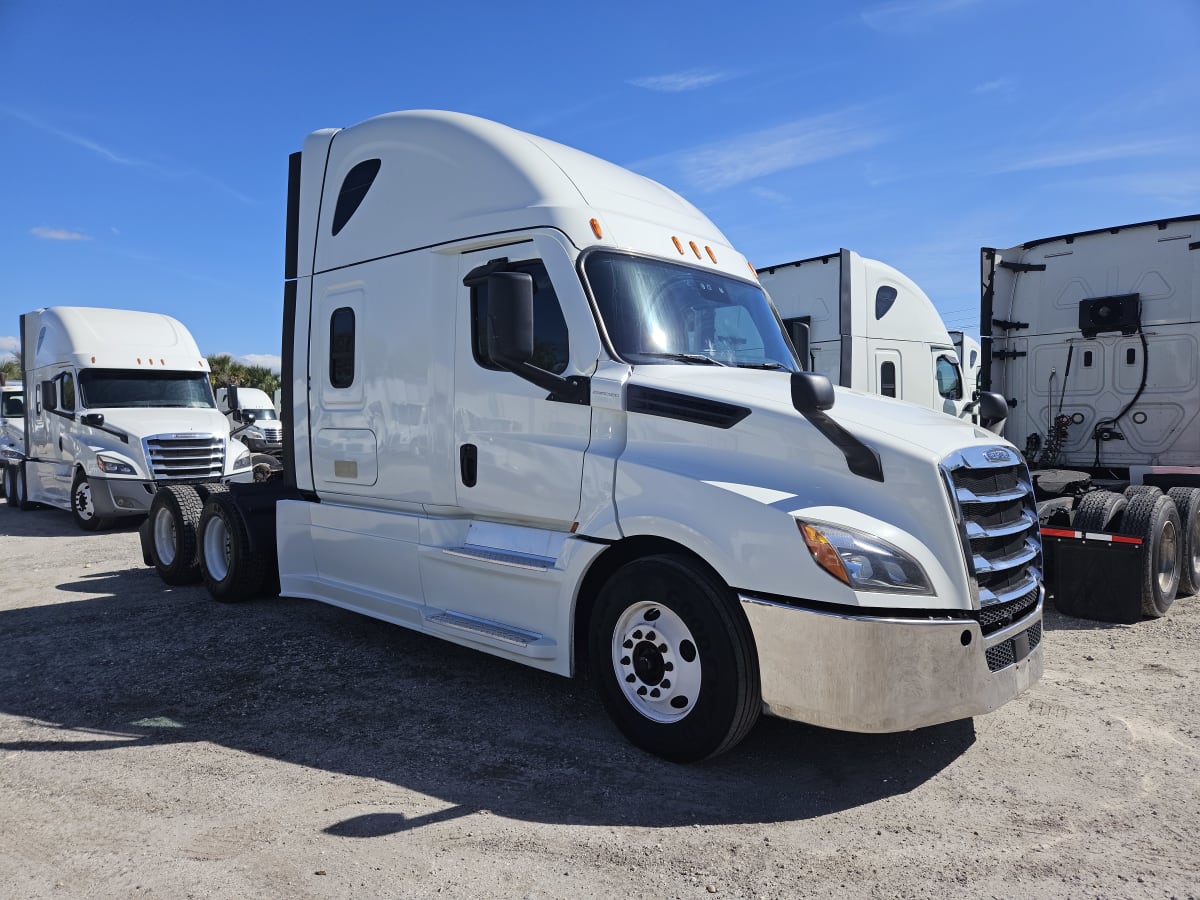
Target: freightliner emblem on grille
x=998 y=454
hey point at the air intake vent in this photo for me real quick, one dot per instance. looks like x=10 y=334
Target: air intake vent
x=684 y=407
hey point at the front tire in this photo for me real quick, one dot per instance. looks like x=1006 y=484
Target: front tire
x=674 y=660
x=231 y=570
x=83 y=505
x=21 y=488
x=174 y=517
x=10 y=485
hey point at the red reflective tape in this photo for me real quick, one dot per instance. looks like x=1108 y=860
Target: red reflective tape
x=1061 y=532
x=1122 y=539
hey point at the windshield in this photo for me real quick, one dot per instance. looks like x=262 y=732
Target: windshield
x=261 y=415
x=114 y=388
x=661 y=312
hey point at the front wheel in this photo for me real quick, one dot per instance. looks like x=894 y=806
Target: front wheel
x=21 y=488
x=83 y=504
x=10 y=485
x=674 y=659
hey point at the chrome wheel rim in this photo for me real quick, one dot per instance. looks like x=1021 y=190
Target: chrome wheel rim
x=1168 y=556
x=83 y=501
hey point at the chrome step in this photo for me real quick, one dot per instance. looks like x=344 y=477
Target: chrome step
x=528 y=643
x=502 y=557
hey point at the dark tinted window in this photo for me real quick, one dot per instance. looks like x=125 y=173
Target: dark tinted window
x=551 y=350
x=887 y=379
x=949 y=383
x=110 y=388
x=354 y=188
x=68 y=393
x=341 y=347
x=884 y=298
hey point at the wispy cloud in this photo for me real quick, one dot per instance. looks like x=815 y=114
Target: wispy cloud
x=676 y=82
x=799 y=143
x=1178 y=189
x=120 y=159
x=991 y=87
x=776 y=197
x=267 y=360
x=46 y=233
x=9 y=344
x=1091 y=153
x=911 y=15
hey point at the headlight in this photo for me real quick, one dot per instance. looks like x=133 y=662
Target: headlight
x=243 y=461
x=110 y=466
x=862 y=561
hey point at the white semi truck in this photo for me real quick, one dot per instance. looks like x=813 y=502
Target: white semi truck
x=537 y=405
x=264 y=432
x=120 y=403
x=1094 y=340
x=869 y=327
x=12 y=434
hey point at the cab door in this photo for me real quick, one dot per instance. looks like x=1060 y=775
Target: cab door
x=520 y=454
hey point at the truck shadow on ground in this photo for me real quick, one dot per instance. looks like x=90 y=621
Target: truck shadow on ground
x=139 y=663
x=40 y=521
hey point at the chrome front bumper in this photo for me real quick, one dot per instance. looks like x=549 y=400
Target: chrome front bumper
x=870 y=674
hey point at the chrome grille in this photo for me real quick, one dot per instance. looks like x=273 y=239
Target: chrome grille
x=274 y=435
x=185 y=456
x=993 y=494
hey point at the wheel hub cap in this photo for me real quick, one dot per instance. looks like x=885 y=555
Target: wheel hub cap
x=656 y=662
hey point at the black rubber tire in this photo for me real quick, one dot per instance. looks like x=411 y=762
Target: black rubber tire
x=231 y=571
x=1156 y=521
x=21 y=486
x=173 y=520
x=204 y=491
x=1099 y=511
x=1187 y=503
x=728 y=699
x=10 y=485
x=1135 y=490
x=83 y=508
x=1055 y=513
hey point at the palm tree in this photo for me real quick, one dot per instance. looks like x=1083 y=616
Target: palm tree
x=262 y=378
x=11 y=368
x=224 y=369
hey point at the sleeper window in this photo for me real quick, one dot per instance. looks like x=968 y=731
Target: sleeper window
x=354 y=189
x=341 y=347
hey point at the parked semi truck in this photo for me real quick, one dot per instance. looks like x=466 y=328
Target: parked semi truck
x=12 y=434
x=120 y=403
x=264 y=432
x=868 y=326
x=537 y=405
x=1094 y=340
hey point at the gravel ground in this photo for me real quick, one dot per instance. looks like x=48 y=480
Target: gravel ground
x=156 y=743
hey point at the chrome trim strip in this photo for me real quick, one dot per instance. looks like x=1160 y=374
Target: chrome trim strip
x=985 y=566
x=975 y=530
x=966 y=495
x=508 y=558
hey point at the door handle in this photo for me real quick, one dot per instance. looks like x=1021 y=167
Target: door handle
x=468 y=464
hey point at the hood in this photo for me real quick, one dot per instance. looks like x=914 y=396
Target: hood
x=140 y=423
x=882 y=423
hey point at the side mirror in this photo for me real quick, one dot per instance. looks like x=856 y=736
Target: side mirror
x=811 y=392
x=95 y=420
x=236 y=415
x=509 y=318
x=993 y=410
x=248 y=418
x=49 y=396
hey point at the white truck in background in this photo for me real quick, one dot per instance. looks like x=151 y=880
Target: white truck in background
x=252 y=414
x=119 y=403
x=869 y=327
x=970 y=359
x=563 y=426
x=12 y=434
x=1094 y=339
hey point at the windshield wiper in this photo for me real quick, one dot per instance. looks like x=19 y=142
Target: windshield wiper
x=685 y=357
x=761 y=365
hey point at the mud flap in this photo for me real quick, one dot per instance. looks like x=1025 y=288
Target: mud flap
x=1094 y=576
x=144 y=534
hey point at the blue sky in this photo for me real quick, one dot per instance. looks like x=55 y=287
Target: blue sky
x=145 y=144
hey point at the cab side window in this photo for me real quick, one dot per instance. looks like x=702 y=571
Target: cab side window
x=887 y=379
x=66 y=400
x=949 y=384
x=551 y=349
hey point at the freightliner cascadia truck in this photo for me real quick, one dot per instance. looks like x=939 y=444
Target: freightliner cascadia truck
x=537 y=405
x=118 y=403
